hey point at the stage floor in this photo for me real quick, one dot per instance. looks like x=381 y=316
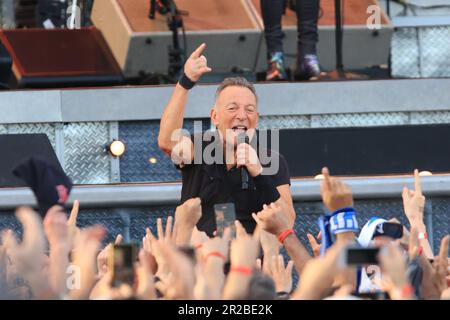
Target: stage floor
x=237 y=14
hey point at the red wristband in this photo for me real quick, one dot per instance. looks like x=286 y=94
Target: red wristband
x=244 y=270
x=407 y=291
x=283 y=235
x=216 y=254
x=420 y=251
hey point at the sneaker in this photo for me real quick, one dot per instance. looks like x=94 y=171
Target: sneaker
x=308 y=68
x=276 y=71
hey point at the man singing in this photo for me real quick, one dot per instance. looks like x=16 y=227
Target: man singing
x=234 y=113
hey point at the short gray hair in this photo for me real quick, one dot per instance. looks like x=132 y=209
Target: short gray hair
x=236 y=82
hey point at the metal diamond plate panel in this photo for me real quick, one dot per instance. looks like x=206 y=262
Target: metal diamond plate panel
x=422 y=52
x=144 y=161
x=430 y=117
x=359 y=119
x=405 y=53
x=284 y=122
x=47 y=128
x=435 y=47
x=86 y=160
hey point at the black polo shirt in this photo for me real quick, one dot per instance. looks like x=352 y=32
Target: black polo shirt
x=214 y=184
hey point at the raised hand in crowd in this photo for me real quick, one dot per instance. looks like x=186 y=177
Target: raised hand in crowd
x=103 y=255
x=440 y=268
x=74 y=231
x=145 y=277
x=152 y=245
x=272 y=220
x=315 y=245
x=180 y=281
x=198 y=238
x=56 y=229
x=186 y=217
x=214 y=254
x=318 y=275
x=281 y=274
x=336 y=195
x=29 y=257
x=84 y=262
x=270 y=247
x=394 y=273
x=243 y=254
x=414 y=206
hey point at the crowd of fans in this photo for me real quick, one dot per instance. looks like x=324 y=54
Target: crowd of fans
x=57 y=260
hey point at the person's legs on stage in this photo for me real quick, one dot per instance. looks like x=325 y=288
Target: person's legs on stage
x=307 y=24
x=272 y=10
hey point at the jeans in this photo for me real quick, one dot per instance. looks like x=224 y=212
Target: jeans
x=307 y=17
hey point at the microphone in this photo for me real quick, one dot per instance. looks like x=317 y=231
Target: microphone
x=243 y=138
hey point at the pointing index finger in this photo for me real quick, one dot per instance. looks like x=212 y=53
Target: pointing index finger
x=326 y=176
x=417 y=186
x=198 y=52
x=74 y=213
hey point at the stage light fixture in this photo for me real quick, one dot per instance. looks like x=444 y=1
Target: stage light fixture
x=117 y=148
x=152 y=160
x=425 y=173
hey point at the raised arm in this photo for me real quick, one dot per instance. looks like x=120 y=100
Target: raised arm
x=172 y=118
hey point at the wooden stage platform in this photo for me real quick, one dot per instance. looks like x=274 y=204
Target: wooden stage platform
x=231 y=26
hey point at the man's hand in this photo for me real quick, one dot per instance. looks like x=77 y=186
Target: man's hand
x=74 y=231
x=335 y=194
x=146 y=286
x=315 y=246
x=440 y=265
x=244 y=251
x=186 y=217
x=281 y=275
x=414 y=202
x=198 y=238
x=56 y=228
x=217 y=244
x=247 y=156
x=272 y=219
x=28 y=255
x=188 y=213
x=182 y=273
x=84 y=257
x=318 y=274
x=393 y=265
x=102 y=257
x=196 y=65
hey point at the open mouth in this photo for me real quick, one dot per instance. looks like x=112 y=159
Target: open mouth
x=239 y=129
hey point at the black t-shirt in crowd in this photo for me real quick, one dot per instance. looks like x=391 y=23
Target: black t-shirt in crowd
x=214 y=184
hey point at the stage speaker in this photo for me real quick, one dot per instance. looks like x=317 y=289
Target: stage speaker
x=61 y=57
x=366 y=151
x=17 y=148
x=140 y=45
